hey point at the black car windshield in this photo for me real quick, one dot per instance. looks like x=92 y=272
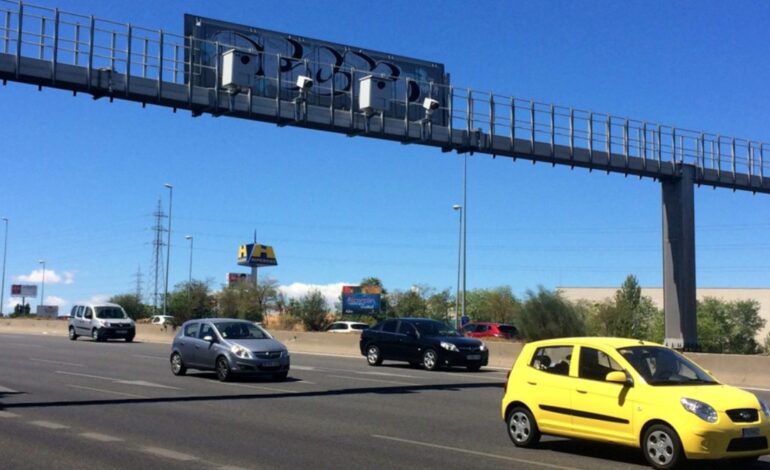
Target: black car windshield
x=434 y=328
x=663 y=366
x=241 y=330
x=109 y=313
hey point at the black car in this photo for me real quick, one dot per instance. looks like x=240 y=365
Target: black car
x=421 y=341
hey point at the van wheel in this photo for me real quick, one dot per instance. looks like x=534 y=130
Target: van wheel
x=522 y=428
x=662 y=447
x=72 y=334
x=95 y=335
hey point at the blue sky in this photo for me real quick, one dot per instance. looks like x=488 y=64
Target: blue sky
x=81 y=178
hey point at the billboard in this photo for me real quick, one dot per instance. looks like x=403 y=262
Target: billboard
x=361 y=300
x=235 y=278
x=23 y=290
x=256 y=255
x=280 y=58
x=48 y=311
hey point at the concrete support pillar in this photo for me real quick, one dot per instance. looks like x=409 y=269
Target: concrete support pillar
x=679 y=260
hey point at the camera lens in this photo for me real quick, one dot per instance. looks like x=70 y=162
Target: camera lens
x=381 y=84
x=245 y=59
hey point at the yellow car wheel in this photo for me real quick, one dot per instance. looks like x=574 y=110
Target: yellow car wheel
x=662 y=447
x=522 y=428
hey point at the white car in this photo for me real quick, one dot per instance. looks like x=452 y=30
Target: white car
x=161 y=320
x=347 y=327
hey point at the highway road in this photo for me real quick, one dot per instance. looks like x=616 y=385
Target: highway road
x=116 y=405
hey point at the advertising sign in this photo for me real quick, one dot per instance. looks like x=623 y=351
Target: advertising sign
x=48 y=311
x=235 y=278
x=23 y=290
x=334 y=68
x=255 y=255
x=361 y=300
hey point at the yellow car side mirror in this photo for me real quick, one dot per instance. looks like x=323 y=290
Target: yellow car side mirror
x=619 y=377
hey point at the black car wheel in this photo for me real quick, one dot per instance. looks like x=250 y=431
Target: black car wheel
x=95 y=335
x=129 y=338
x=177 y=365
x=281 y=375
x=373 y=356
x=474 y=367
x=662 y=447
x=522 y=428
x=72 y=334
x=430 y=360
x=223 y=369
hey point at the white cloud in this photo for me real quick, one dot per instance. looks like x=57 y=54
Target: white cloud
x=51 y=277
x=331 y=292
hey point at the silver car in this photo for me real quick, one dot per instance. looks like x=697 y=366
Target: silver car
x=228 y=346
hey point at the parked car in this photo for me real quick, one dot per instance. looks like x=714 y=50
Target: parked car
x=634 y=393
x=421 y=341
x=162 y=320
x=100 y=321
x=230 y=347
x=483 y=329
x=346 y=327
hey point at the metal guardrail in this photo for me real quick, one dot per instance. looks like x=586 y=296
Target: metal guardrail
x=530 y=127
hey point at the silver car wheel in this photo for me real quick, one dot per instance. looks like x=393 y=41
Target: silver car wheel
x=519 y=427
x=176 y=363
x=660 y=447
x=373 y=355
x=429 y=360
x=95 y=334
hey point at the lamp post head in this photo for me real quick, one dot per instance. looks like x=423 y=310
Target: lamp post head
x=5 y=219
x=168 y=185
x=188 y=237
x=457 y=207
x=41 y=261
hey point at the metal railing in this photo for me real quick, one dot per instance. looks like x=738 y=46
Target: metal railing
x=60 y=38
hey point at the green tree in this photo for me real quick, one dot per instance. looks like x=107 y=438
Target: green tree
x=311 y=309
x=190 y=300
x=438 y=305
x=244 y=300
x=729 y=327
x=627 y=315
x=408 y=303
x=547 y=314
x=132 y=304
x=495 y=305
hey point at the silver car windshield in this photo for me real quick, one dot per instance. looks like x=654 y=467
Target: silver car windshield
x=109 y=313
x=240 y=330
x=664 y=366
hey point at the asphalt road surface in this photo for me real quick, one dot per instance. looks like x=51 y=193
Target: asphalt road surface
x=110 y=405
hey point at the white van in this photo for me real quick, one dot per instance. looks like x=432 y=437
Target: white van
x=101 y=321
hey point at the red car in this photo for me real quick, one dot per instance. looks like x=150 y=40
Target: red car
x=489 y=330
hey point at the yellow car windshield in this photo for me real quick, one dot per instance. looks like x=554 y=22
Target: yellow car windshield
x=663 y=366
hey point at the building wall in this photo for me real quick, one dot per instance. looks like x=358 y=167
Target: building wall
x=600 y=294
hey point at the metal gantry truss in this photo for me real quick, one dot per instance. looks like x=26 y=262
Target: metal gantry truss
x=50 y=47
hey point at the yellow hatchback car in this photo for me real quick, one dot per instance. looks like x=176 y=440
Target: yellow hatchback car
x=634 y=393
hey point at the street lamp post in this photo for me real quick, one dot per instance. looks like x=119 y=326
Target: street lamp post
x=42 y=290
x=458 y=207
x=5 y=251
x=189 y=277
x=465 y=225
x=168 y=250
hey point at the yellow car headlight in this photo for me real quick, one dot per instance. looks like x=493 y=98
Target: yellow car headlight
x=700 y=409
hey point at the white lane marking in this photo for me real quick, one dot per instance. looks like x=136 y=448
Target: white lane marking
x=473 y=452
x=388 y=374
x=370 y=380
x=49 y=425
x=754 y=388
x=7 y=414
x=305 y=382
x=100 y=437
x=147 y=356
x=258 y=387
x=140 y=383
x=73 y=364
x=143 y=383
x=7 y=390
x=302 y=368
x=107 y=391
x=169 y=454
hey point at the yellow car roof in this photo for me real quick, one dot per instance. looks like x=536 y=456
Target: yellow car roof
x=594 y=341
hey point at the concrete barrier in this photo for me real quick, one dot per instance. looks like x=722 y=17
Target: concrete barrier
x=739 y=370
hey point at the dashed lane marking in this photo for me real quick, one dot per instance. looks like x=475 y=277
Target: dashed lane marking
x=372 y=380
x=259 y=387
x=73 y=364
x=49 y=425
x=100 y=437
x=111 y=392
x=169 y=454
x=473 y=452
x=6 y=414
x=7 y=390
x=140 y=383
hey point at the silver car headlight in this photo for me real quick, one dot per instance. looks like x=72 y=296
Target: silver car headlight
x=240 y=351
x=106 y=323
x=700 y=409
x=765 y=408
x=449 y=346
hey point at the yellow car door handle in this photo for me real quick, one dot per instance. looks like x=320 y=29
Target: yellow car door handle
x=532 y=383
x=581 y=391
